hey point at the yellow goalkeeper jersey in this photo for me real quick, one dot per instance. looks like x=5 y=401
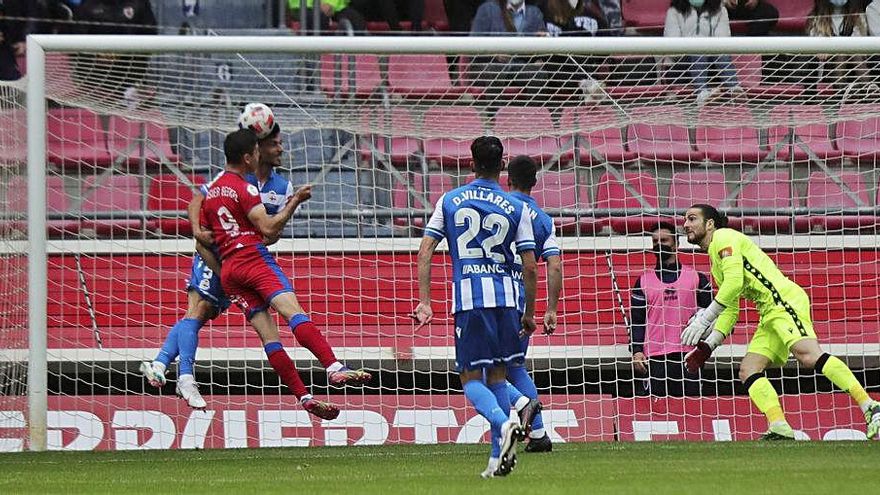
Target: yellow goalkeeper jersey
x=741 y=269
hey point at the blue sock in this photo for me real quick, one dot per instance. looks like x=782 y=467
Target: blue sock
x=520 y=379
x=486 y=404
x=170 y=349
x=513 y=394
x=188 y=342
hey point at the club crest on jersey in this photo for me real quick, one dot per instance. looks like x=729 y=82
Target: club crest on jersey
x=272 y=196
x=252 y=190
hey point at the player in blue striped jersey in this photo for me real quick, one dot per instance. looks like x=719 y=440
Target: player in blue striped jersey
x=522 y=177
x=485 y=229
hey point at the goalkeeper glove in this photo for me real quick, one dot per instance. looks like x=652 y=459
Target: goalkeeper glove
x=695 y=359
x=700 y=325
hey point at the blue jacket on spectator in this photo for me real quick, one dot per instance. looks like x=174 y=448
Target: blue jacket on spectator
x=490 y=20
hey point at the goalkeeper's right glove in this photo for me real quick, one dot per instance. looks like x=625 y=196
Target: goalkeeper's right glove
x=695 y=359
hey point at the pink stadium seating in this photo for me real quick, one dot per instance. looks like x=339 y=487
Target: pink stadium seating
x=435 y=15
x=398 y=125
x=810 y=126
x=735 y=141
x=661 y=135
x=648 y=16
x=76 y=139
x=688 y=188
x=57 y=201
x=612 y=194
x=533 y=130
x=562 y=190
x=125 y=136
x=748 y=73
x=421 y=76
x=768 y=189
x=118 y=193
x=437 y=184
x=824 y=192
x=337 y=73
x=13 y=138
x=792 y=15
x=168 y=193
x=858 y=132
x=461 y=124
x=598 y=134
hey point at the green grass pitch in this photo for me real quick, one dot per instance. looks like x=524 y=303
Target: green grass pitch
x=745 y=468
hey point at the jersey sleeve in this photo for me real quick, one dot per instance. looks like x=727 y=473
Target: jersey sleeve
x=249 y=197
x=203 y=189
x=551 y=245
x=288 y=193
x=726 y=249
x=436 y=225
x=525 y=235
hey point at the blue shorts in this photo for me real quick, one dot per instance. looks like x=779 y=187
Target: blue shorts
x=206 y=284
x=487 y=337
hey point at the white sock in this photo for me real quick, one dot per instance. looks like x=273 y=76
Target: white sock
x=521 y=403
x=335 y=367
x=779 y=423
x=864 y=406
x=185 y=379
x=539 y=433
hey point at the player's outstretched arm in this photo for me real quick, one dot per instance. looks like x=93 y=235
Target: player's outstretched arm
x=423 y=312
x=554 y=288
x=530 y=281
x=271 y=226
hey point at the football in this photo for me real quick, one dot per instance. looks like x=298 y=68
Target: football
x=258 y=118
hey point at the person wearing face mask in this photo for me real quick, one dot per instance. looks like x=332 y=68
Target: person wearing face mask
x=872 y=17
x=662 y=301
x=845 y=73
x=706 y=19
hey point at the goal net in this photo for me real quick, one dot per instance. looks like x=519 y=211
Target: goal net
x=625 y=136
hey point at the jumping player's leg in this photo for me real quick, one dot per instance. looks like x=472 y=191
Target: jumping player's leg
x=181 y=340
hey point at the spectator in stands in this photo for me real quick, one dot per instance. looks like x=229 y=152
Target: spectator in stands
x=662 y=302
x=613 y=15
x=512 y=17
x=123 y=76
x=703 y=18
x=574 y=18
x=460 y=14
x=845 y=73
x=760 y=15
x=390 y=12
x=12 y=35
x=337 y=10
x=872 y=17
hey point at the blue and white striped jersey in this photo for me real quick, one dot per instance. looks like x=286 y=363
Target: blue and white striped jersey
x=546 y=244
x=273 y=193
x=485 y=228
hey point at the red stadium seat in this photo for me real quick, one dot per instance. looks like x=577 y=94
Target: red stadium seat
x=562 y=190
x=810 y=128
x=168 y=193
x=394 y=135
x=460 y=125
x=688 y=188
x=660 y=134
x=57 y=201
x=76 y=138
x=613 y=194
x=598 y=134
x=793 y=15
x=648 y=16
x=118 y=193
x=527 y=131
x=824 y=192
x=748 y=73
x=858 y=132
x=768 y=189
x=338 y=72
x=435 y=15
x=421 y=76
x=437 y=185
x=125 y=141
x=13 y=139
x=728 y=134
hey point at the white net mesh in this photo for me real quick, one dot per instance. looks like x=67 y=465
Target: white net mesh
x=622 y=142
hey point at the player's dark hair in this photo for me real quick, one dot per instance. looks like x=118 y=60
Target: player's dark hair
x=276 y=130
x=522 y=172
x=663 y=225
x=712 y=213
x=239 y=143
x=487 y=152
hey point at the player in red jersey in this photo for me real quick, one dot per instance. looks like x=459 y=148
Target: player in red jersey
x=233 y=211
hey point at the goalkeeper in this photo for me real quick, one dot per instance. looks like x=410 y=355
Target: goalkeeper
x=741 y=269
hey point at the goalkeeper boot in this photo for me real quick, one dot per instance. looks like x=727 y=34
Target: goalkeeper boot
x=779 y=431
x=348 y=376
x=872 y=417
x=527 y=416
x=542 y=444
x=154 y=373
x=321 y=409
x=511 y=431
x=188 y=389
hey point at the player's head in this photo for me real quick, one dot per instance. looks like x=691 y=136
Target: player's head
x=241 y=150
x=664 y=242
x=522 y=174
x=271 y=147
x=487 y=152
x=700 y=221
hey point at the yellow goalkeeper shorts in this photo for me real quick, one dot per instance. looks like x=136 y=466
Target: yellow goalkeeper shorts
x=782 y=327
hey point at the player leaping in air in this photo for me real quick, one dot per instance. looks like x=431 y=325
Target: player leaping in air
x=742 y=270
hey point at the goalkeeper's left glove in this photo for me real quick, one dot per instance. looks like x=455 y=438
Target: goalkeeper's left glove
x=695 y=359
x=700 y=325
